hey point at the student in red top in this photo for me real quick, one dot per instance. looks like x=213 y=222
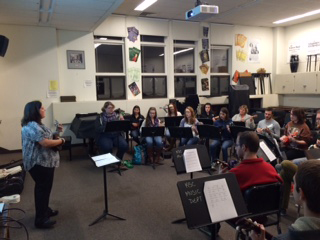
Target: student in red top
x=252 y=170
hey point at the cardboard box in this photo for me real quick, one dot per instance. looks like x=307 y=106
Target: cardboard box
x=245 y=74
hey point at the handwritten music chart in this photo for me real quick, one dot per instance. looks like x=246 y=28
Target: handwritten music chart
x=219 y=200
x=191 y=160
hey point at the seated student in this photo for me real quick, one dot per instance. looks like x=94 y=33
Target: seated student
x=207 y=112
x=107 y=140
x=252 y=170
x=154 y=144
x=172 y=112
x=306 y=193
x=226 y=139
x=135 y=119
x=288 y=169
x=297 y=135
x=190 y=120
x=243 y=116
x=268 y=126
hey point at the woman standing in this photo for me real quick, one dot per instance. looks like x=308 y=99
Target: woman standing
x=297 y=136
x=107 y=140
x=243 y=116
x=226 y=139
x=154 y=144
x=40 y=158
x=135 y=119
x=190 y=120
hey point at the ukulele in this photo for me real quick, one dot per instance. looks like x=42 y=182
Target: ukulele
x=248 y=225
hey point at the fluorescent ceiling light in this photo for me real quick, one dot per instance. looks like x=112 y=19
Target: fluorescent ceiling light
x=181 y=51
x=177 y=52
x=145 y=4
x=298 y=17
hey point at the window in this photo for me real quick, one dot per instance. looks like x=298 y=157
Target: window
x=110 y=71
x=184 y=86
x=110 y=87
x=185 y=79
x=219 y=85
x=219 y=67
x=154 y=87
x=152 y=59
x=219 y=59
x=153 y=71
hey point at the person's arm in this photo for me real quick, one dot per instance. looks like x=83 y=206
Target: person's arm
x=259 y=128
x=182 y=122
x=261 y=236
x=49 y=143
x=276 y=129
x=142 y=125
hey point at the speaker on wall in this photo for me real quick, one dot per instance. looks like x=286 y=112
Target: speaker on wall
x=3 y=45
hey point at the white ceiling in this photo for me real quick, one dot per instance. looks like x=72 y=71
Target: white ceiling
x=86 y=15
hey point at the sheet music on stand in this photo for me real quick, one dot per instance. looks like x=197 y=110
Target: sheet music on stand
x=219 y=201
x=191 y=160
x=104 y=159
x=267 y=151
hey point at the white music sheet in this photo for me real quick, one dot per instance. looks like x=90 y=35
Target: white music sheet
x=267 y=151
x=104 y=159
x=219 y=200
x=191 y=160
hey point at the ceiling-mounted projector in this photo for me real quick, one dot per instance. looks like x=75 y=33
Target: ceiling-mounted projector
x=202 y=12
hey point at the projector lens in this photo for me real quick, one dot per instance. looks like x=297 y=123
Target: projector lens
x=190 y=14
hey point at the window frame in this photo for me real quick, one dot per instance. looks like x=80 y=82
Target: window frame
x=110 y=92
x=111 y=74
x=219 y=75
x=185 y=44
x=153 y=87
x=184 y=83
x=155 y=74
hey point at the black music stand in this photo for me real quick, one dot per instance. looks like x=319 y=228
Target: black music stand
x=106 y=210
x=180 y=132
x=181 y=168
x=152 y=132
x=173 y=121
x=238 y=123
x=235 y=130
x=208 y=132
x=118 y=126
x=196 y=212
x=207 y=121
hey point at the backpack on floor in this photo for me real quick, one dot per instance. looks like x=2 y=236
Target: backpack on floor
x=140 y=154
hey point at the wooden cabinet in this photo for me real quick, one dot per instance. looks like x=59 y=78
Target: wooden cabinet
x=298 y=83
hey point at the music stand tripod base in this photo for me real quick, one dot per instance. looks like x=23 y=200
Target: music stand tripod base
x=105 y=211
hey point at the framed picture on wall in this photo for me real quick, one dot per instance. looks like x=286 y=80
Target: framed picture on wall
x=75 y=59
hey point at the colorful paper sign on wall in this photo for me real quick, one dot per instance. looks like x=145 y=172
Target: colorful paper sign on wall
x=204 y=55
x=134 y=74
x=133 y=34
x=205 y=84
x=204 y=68
x=134 y=89
x=134 y=54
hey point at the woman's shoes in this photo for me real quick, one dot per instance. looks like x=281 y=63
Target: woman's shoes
x=52 y=213
x=45 y=224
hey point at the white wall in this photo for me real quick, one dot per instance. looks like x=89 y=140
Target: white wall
x=302 y=33
x=38 y=54
x=72 y=80
x=30 y=63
